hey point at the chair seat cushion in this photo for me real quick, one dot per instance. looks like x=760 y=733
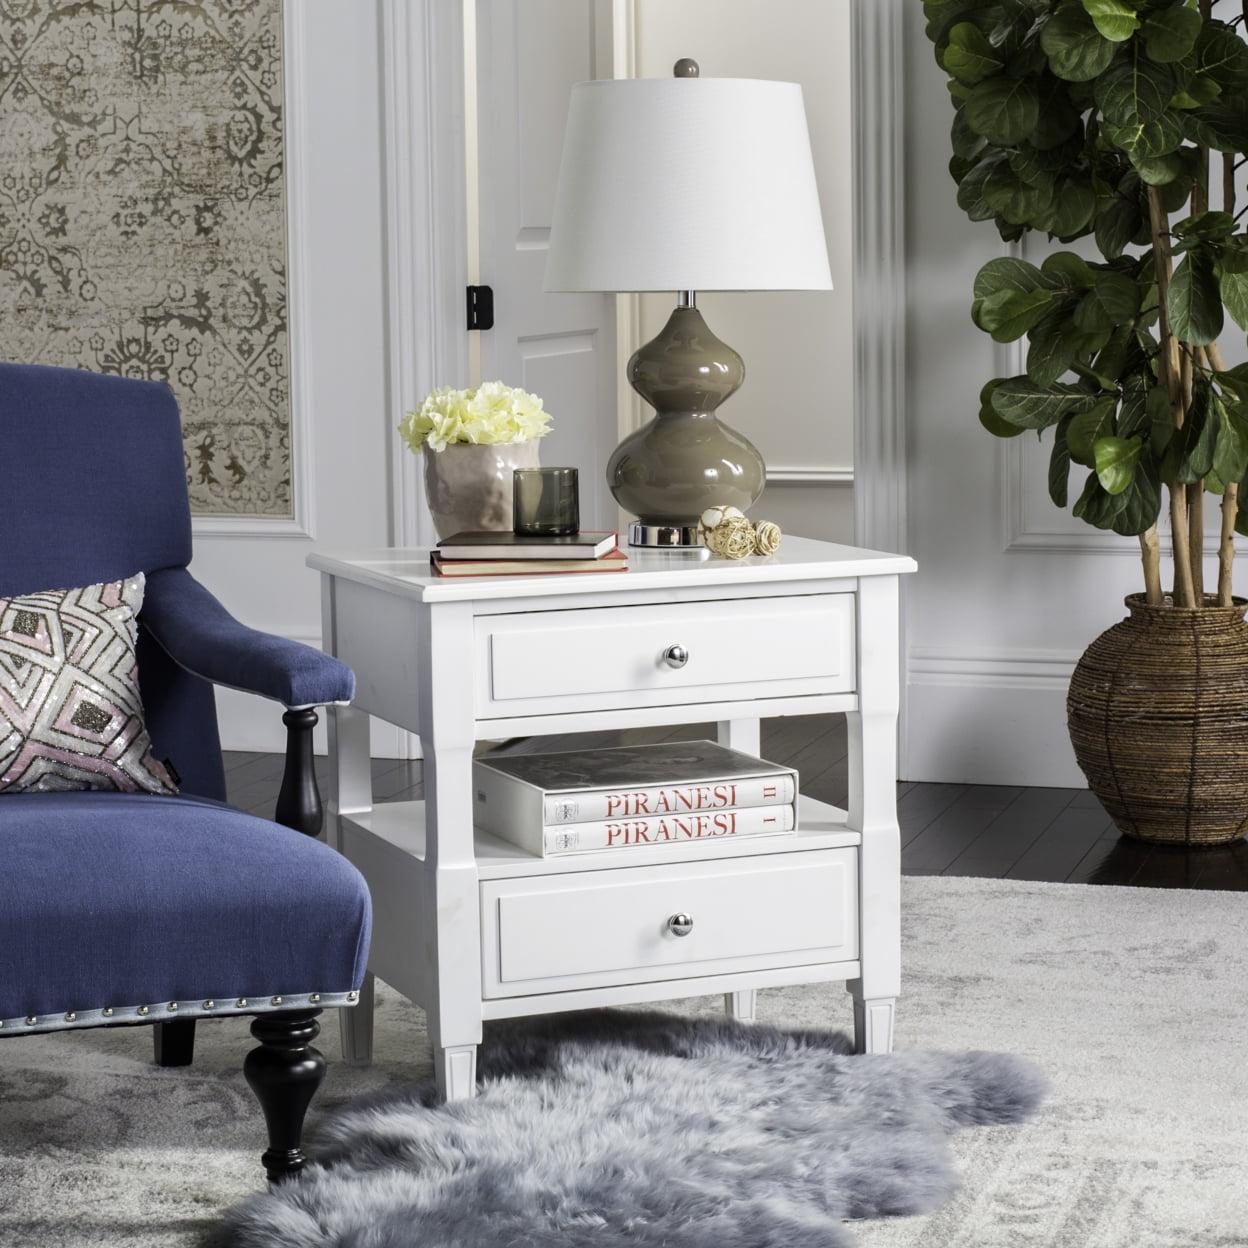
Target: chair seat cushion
x=115 y=906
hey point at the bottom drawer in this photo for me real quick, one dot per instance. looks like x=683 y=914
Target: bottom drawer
x=602 y=928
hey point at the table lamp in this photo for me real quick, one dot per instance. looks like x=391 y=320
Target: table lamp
x=685 y=184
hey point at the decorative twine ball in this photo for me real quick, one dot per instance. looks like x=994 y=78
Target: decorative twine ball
x=713 y=517
x=767 y=538
x=732 y=537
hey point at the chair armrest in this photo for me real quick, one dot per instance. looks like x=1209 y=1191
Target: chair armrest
x=199 y=634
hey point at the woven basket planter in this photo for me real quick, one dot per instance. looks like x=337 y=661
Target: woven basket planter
x=1158 y=716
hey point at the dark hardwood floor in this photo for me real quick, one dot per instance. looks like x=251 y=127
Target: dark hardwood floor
x=946 y=829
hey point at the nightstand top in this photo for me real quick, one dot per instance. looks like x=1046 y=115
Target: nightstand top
x=406 y=572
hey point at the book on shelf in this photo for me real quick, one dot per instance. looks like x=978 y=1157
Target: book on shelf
x=517 y=546
x=522 y=797
x=615 y=561
x=707 y=825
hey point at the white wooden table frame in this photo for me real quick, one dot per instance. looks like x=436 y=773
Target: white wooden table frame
x=470 y=928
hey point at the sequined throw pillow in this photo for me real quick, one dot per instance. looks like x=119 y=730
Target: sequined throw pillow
x=70 y=712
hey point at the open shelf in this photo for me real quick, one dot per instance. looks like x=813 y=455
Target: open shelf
x=402 y=825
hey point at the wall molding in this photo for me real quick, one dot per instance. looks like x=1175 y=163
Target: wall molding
x=786 y=475
x=426 y=244
x=878 y=58
x=984 y=667
x=301 y=523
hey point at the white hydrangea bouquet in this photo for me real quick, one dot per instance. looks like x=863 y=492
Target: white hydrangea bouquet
x=486 y=415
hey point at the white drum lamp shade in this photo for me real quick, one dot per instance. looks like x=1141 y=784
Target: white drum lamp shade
x=687 y=184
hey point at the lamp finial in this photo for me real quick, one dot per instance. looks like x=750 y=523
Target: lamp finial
x=686 y=67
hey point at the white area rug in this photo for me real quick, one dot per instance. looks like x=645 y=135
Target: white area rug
x=1134 y=1001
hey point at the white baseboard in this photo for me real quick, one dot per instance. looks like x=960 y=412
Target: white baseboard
x=990 y=717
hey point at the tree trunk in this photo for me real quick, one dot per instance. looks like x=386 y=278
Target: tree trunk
x=1171 y=377
x=1150 y=557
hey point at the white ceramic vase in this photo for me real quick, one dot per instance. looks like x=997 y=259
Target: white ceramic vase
x=468 y=487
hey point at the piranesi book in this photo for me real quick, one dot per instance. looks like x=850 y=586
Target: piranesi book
x=519 y=796
x=707 y=825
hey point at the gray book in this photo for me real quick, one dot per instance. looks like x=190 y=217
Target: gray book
x=519 y=796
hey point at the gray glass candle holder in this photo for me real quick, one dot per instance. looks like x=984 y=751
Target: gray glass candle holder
x=546 y=502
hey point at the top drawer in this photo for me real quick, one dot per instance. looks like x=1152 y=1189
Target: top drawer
x=616 y=657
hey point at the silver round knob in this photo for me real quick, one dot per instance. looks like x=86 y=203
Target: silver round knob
x=676 y=656
x=680 y=924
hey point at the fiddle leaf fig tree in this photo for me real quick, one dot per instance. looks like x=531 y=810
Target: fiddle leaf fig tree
x=1100 y=119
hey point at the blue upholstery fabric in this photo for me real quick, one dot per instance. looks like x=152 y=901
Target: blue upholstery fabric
x=92 y=479
x=93 y=488
x=113 y=899
x=200 y=635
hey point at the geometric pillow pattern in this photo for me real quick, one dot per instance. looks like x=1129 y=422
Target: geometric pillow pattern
x=71 y=716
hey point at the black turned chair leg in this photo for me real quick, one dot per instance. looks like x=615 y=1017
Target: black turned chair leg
x=299 y=800
x=284 y=1073
x=174 y=1042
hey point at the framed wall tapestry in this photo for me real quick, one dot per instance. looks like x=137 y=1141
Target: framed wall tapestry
x=142 y=218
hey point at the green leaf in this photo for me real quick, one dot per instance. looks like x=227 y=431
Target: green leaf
x=1233 y=286
x=1008 y=273
x=1086 y=427
x=1017 y=201
x=1235 y=380
x=971 y=191
x=1053 y=346
x=1096 y=505
x=1059 y=468
x=988 y=417
x=1170 y=34
x=1220 y=54
x=1077 y=51
x=1133 y=414
x=1114 y=298
x=1009 y=314
x=1068 y=269
x=1074 y=204
x=969 y=57
x=1134 y=90
x=1003 y=110
x=1117 y=20
x=1194 y=303
x=1061 y=121
x=967 y=145
x=1189 y=455
x=1020 y=401
x=1222 y=125
x=1141 y=502
x=1146 y=140
x=1116 y=459
x=1230 y=452
x=1206 y=225
x=1116 y=225
x=1158 y=170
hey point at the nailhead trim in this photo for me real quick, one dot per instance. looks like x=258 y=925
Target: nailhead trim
x=89 y=1018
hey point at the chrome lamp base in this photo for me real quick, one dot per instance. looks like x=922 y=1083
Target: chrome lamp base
x=666 y=536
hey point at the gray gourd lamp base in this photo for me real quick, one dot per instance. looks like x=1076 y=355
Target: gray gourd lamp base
x=686 y=459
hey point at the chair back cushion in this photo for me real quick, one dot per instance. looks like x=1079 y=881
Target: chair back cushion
x=92 y=479
x=93 y=489
x=70 y=712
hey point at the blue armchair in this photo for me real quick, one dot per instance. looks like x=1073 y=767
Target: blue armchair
x=121 y=908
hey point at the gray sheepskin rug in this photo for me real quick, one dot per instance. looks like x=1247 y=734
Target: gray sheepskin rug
x=647 y=1130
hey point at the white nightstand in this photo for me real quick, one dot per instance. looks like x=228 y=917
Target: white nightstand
x=471 y=928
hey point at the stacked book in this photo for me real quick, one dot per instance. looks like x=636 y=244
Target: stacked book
x=511 y=554
x=591 y=801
